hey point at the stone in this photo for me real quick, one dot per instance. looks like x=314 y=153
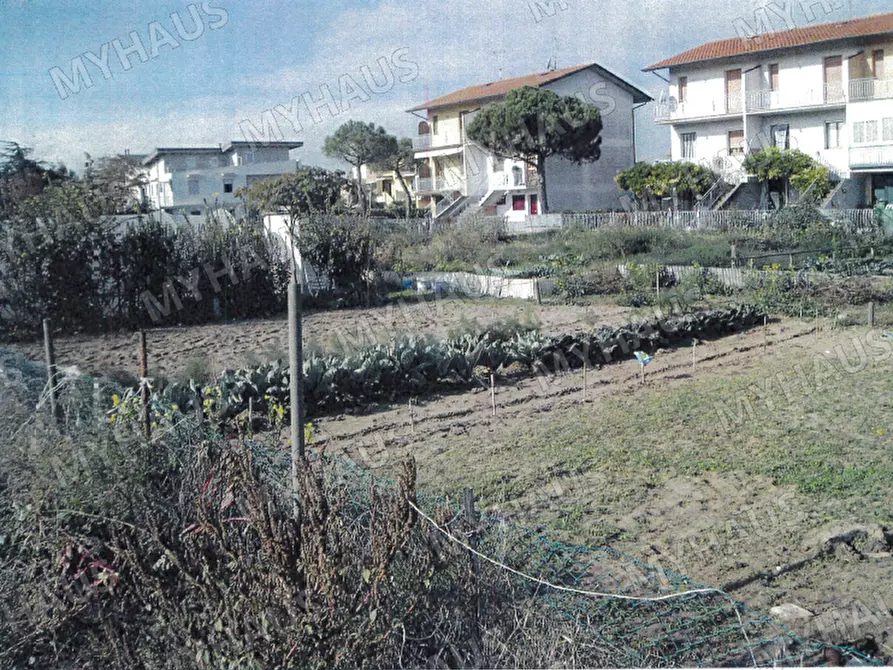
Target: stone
x=790 y=612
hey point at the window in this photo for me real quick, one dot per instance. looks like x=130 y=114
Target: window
x=781 y=136
x=864 y=132
x=248 y=158
x=228 y=186
x=834 y=135
x=736 y=142
x=689 y=140
x=888 y=129
x=534 y=205
x=519 y=203
x=683 y=89
x=773 y=77
x=223 y=161
x=877 y=63
x=193 y=185
x=434 y=125
x=386 y=186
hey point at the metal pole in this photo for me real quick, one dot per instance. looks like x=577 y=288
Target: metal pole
x=144 y=385
x=52 y=376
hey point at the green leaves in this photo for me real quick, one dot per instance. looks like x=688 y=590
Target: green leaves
x=536 y=123
x=804 y=173
x=658 y=180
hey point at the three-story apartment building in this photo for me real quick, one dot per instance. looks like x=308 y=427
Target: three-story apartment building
x=184 y=179
x=454 y=174
x=826 y=90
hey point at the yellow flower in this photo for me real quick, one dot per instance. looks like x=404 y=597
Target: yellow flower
x=116 y=399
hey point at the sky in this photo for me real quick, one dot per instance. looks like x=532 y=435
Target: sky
x=165 y=73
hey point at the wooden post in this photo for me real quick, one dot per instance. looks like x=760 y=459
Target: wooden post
x=694 y=356
x=585 y=380
x=766 y=332
x=734 y=256
x=657 y=272
x=493 y=391
x=199 y=410
x=411 y=418
x=471 y=517
x=643 y=372
x=537 y=291
x=52 y=374
x=871 y=314
x=144 y=385
x=296 y=374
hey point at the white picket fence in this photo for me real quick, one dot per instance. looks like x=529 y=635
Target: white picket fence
x=855 y=220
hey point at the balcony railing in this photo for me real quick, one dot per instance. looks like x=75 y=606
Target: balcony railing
x=429 y=185
x=426 y=142
x=696 y=108
x=828 y=94
x=871 y=89
x=871 y=157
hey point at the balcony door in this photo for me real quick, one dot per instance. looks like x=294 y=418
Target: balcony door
x=733 y=91
x=834 y=79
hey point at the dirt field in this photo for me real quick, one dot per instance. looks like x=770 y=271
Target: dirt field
x=177 y=351
x=686 y=487
x=752 y=471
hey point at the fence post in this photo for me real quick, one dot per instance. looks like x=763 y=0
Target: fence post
x=52 y=375
x=144 y=385
x=471 y=517
x=871 y=314
x=296 y=374
x=734 y=256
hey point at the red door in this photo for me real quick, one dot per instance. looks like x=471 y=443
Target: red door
x=534 y=205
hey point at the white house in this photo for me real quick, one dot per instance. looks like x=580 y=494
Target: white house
x=456 y=175
x=186 y=178
x=385 y=188
x=826 y=90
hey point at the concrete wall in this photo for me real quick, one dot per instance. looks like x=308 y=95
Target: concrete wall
x=591 y=186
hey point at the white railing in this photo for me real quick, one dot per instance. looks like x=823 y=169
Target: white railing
x=427 y=142
x=672 y=110
x=428 y=185
x=829 y=94
x=871 y=89
x=871 y=157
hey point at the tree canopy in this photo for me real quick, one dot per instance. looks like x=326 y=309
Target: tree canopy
x=532 y=124
x=804 y=173
x=648 y=181
x=358 y=144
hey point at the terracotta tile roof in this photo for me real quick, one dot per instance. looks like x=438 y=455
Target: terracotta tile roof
x=498 y=89
x=739 y=46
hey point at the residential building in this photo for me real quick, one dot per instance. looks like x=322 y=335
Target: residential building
x=385 y=187
x=826 y=90
x=186 y=178
x=456 y=175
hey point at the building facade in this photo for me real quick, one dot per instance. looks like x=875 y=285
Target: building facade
x=455 y=176
x=189 y=178
x=826 y=90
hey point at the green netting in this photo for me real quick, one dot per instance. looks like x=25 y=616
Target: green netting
x=701 y=629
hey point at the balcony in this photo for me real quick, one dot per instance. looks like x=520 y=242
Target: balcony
x=514 y=179
x=673 y=110
x=766 y=101
x=431 y=185
x=862 y=90
x=866 y=158
x=442 y=140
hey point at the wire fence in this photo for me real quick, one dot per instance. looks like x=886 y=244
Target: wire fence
x=632 y=613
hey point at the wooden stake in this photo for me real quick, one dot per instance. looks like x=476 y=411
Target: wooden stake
x=585 y=380
x=658 y=281
x=871 y=315
x=296 y=374
x=411 y=418
x=643 y=373
x=52 y=375
x=694 y=356
x=144 y=390
x=471 y=517
x=493 y=391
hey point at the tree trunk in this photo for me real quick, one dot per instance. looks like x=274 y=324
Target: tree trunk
x=361 y=196
x=543 y=194
x=405 y=190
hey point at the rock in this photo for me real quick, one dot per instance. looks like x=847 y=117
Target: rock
x=790 y=612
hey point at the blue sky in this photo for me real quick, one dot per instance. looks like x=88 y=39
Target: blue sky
x=240 y=60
